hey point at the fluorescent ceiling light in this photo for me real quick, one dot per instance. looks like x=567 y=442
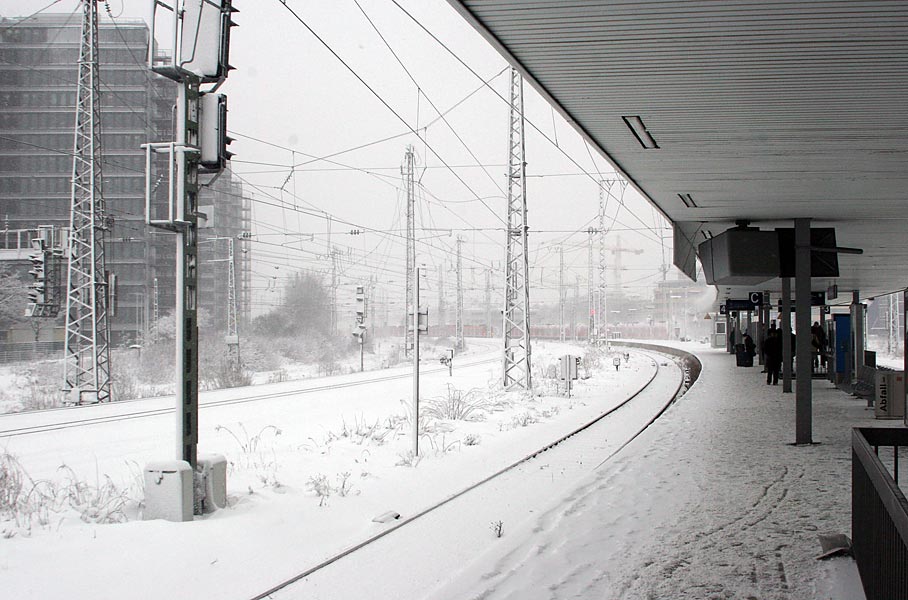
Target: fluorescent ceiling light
x=687 y=200
x=638 y=128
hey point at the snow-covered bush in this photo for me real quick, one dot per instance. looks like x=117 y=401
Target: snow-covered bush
x=252 y=455
x=457 y=405
x=26 y=503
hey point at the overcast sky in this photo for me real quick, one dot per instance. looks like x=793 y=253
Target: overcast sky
x=292 y=93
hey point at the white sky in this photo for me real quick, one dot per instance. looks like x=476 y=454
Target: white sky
x=291 y=92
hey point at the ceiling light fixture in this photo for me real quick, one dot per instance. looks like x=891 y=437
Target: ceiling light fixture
x=687 y=200
x=638 y=128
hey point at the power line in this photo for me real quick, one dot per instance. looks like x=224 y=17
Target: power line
x=389 y=107
x=502 y=98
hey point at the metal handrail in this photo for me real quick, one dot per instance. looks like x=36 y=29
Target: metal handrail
x=879 y=514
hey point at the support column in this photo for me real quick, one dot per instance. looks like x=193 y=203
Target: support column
x=729 y=338
x=905 y=344
x=764 y=322
x=857 y=332
x=804 y=397
x=785 y=327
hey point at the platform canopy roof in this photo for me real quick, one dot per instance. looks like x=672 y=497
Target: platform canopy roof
x=723 y=110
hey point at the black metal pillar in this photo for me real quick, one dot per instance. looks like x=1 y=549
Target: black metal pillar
x=785 y=328
x=857 y=332
x=905 y=344
x=803 y=398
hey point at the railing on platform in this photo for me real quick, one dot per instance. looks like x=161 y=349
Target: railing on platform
x=879 y=513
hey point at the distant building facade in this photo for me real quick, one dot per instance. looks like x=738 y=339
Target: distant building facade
x=38 y=74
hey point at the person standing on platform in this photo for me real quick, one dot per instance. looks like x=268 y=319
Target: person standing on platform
x=820 y=335
x=749 y=346
x=772 y=356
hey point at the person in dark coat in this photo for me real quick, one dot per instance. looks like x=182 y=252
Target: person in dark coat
x=749 y=346
x=772 y=356
x=821 y=341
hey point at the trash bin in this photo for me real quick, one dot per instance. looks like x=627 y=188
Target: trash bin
x=742 y=357
x=889 y=396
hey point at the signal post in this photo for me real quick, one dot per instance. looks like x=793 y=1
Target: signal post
x=201 y=39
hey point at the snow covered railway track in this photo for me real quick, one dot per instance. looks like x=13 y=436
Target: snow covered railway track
x=499 y=479
x=203 y=404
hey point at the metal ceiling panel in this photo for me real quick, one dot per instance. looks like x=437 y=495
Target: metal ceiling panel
x=765 y=111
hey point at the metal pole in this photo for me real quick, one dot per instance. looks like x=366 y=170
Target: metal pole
x=785 y=325
x=180 y=271
x=415 y=424
x=857 y=329
x=186 y=325
x=409 y=184
x=803 y=399
x=904 y=347
x=561 y=294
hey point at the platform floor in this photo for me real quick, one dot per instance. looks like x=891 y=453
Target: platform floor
x=712 y=501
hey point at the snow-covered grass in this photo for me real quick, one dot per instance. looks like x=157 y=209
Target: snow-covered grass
x=310 y=469
x=709 y=502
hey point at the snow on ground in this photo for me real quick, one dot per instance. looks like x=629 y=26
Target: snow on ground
x=308 y=471
x=709 y=502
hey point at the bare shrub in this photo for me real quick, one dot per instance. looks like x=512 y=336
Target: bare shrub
x=523 y=420
x=27 y=503
x=12 y=483
x=227 y=374
x=457 y=405
x=497 y=528
x=442 y=446
x=344 y=487
x=320 y=485
x=363 y=432
x=101 y=503
x=471 y=439
x=407 y=459
x=252 y=455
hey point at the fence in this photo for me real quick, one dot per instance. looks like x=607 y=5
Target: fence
x=17 y=352
x=879 y=514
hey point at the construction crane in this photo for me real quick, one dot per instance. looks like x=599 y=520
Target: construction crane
x=616 y=252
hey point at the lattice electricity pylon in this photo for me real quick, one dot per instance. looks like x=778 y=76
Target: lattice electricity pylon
x=458 y=317
x=590 y=282
x=407 y=170
x=516 y=322
x=86 y=367
x=601 y=316
x=233 y=335
x=606 y=186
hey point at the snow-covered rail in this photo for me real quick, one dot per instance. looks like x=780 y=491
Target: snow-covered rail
x=663 y=387
x=67 y=418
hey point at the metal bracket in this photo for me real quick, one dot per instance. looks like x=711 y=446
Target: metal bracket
x=174 y=212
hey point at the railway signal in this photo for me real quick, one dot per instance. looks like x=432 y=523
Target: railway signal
x=569 y=367
x=200 y=32
x=43 y=295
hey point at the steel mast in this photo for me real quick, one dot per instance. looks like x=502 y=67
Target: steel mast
x=409 y=184
x=86 y=366
x=516 y=321
x=233 y=334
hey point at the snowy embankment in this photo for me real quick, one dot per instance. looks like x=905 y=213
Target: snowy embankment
x=307 y=473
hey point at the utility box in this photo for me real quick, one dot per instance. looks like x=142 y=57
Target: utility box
x=889 y=395
x=168 y=491
x=213 y=472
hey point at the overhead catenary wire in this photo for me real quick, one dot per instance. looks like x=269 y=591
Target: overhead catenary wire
x=388 y=106
x=502 y=98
